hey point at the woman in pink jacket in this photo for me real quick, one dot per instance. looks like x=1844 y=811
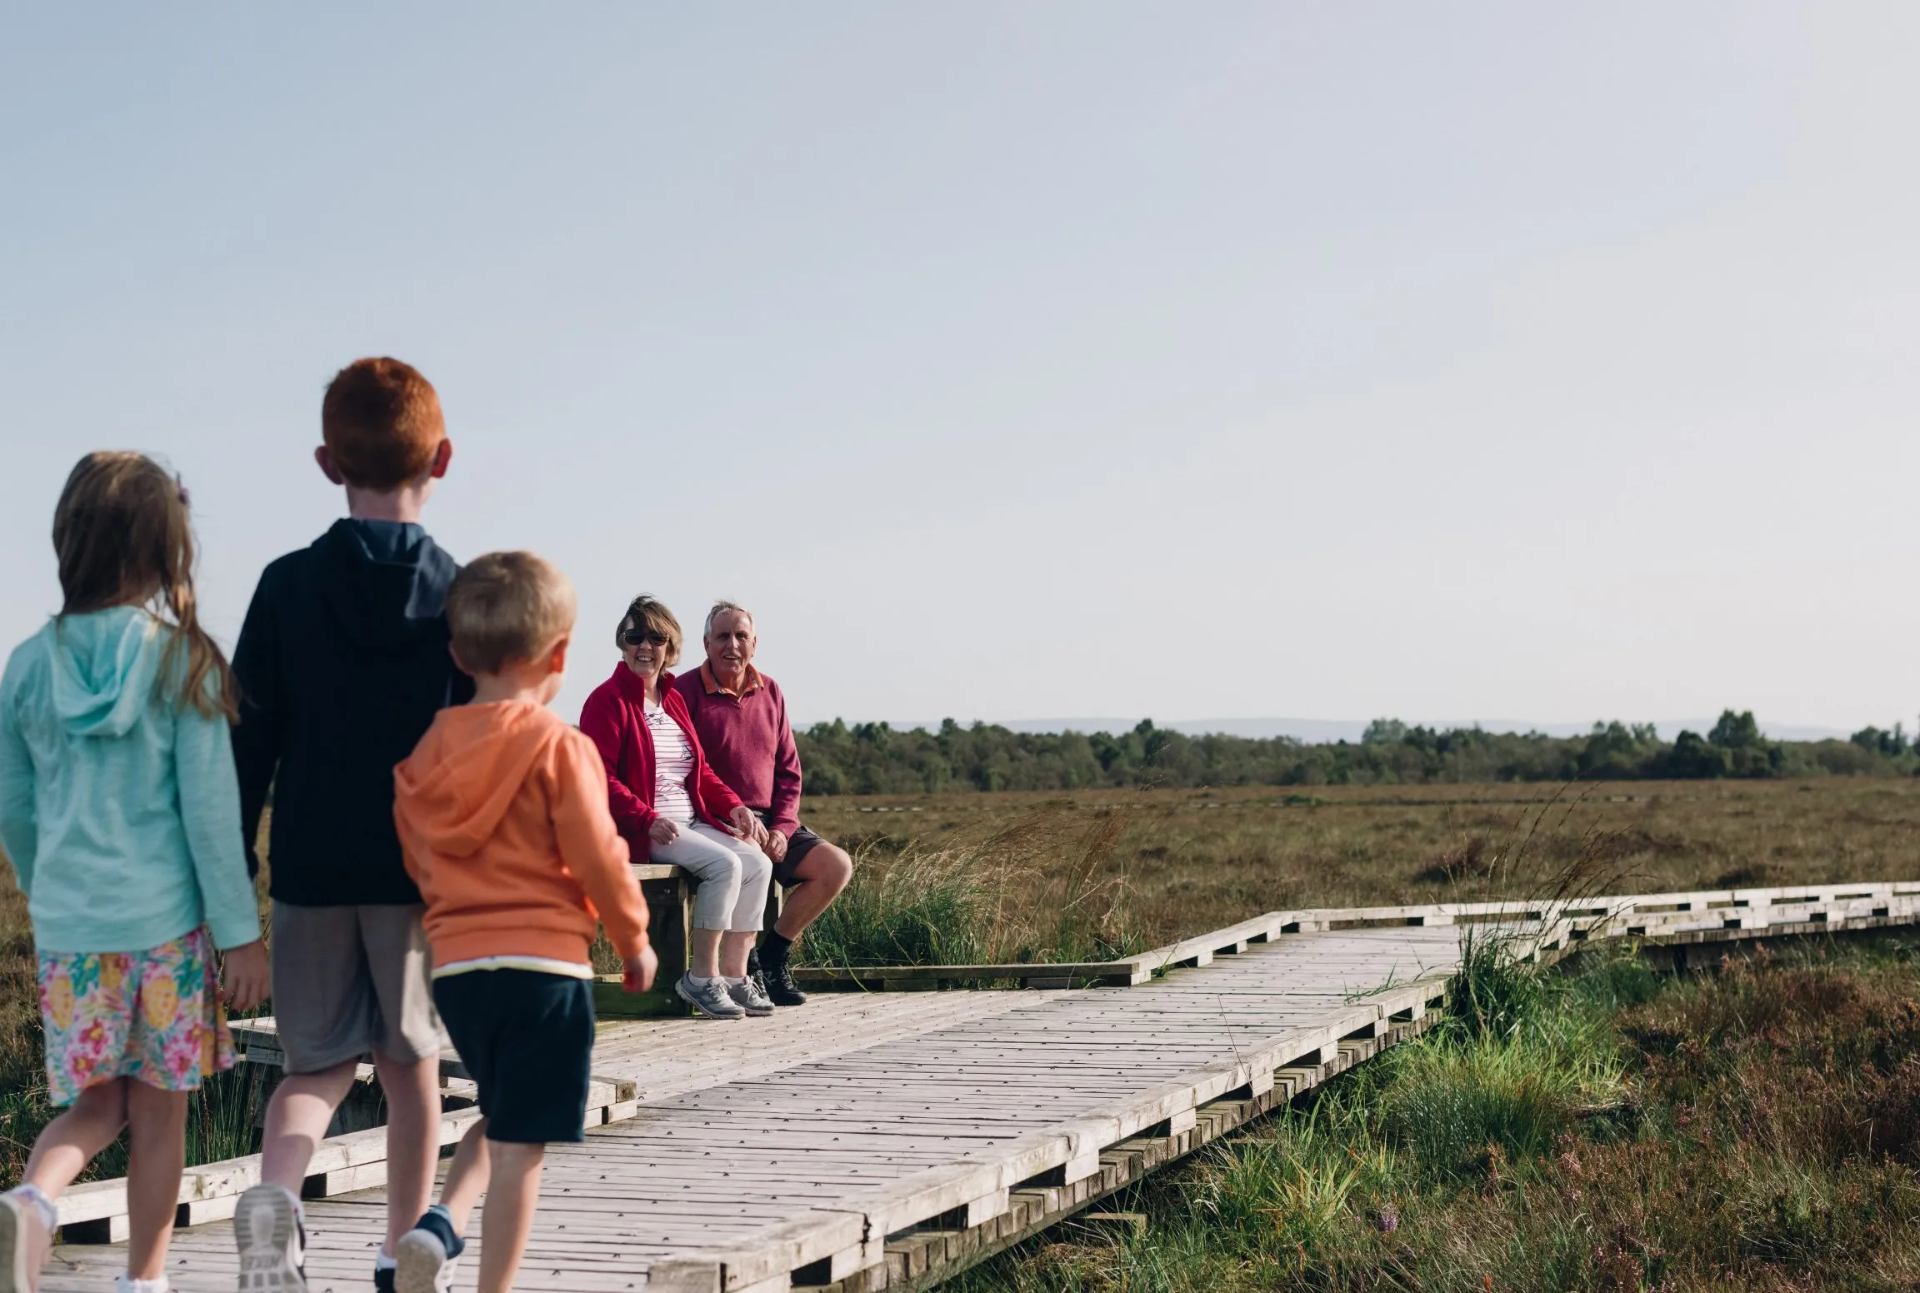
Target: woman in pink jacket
x=666 y=800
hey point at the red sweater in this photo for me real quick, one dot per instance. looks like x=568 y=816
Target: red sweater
x=615 y=717
x=750 y=744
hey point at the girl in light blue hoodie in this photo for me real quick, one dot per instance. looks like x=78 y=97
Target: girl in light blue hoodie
x=120 y=811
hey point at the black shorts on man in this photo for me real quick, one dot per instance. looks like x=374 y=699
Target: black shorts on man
x=799 y=844
x=526 y=1039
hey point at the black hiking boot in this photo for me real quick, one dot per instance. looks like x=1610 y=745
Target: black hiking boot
x=779 y=986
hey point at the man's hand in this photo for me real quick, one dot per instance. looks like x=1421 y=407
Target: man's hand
x=245 y=977
x=663 y=832
x=640 y=971
x=747 y=825
x=776 y=845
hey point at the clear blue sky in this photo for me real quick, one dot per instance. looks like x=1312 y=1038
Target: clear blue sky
x=1016 y=360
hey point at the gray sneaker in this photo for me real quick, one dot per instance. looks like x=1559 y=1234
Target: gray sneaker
x=749 y=997
x=711 y=1000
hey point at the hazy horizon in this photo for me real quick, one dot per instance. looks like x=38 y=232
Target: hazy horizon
x=1084 y=358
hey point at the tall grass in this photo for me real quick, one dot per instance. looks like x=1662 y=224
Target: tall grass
x=1758 y=1128
x=1047 y=886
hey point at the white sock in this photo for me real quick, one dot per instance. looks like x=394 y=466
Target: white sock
x=735 y=983
x=49 y=1215
x=382 y=1262
x=125 y=1283
x=698 y=980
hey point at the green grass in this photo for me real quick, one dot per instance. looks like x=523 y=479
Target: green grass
x=1757 y=1129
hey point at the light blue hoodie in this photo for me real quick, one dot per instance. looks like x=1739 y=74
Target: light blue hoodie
x=118 y=805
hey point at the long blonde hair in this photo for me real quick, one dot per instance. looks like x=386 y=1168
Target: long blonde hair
x=123 y=537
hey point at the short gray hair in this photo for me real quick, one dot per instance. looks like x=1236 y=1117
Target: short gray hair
x=721 y=608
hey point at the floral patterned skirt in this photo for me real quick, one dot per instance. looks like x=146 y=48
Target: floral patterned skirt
x=152 y=1015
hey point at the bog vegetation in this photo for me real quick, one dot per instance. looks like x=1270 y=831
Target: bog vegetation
x=875 y=759
x=1758 y=1128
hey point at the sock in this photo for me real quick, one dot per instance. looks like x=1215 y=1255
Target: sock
x=439 y=1222
x=698 y=981
x=382 y=1262
x=774 y=947
x=125 y=1283
x=49 y=1215
x=736 y=983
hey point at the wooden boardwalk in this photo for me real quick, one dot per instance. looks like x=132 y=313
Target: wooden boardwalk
x=765 y=1147
x=884 y=1140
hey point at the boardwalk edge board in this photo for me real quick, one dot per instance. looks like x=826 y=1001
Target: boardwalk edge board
x=1651 y=917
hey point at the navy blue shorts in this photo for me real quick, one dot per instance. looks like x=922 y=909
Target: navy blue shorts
x=526 y=1039
x=799 y=844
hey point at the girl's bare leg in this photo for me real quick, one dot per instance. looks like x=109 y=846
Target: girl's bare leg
x=70 y=1141
x=156 y=1156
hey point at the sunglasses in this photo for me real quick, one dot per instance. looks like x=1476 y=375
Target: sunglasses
x=634 y=637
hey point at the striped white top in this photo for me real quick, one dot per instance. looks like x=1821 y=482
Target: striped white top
x=672 y=767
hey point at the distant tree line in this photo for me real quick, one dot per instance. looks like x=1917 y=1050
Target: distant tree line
x=874 y=758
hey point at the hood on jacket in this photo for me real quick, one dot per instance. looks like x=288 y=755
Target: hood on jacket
x=383 y=582
x=459 y=783
x=104 y=665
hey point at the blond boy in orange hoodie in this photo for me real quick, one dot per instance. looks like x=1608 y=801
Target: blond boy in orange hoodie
x=502 y=812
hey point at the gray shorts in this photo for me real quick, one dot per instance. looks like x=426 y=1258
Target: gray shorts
x=351 y=980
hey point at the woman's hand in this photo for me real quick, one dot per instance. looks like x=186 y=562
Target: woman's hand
x=640 y=971
x=663 y=832
x=246 y=979
x=747 y=825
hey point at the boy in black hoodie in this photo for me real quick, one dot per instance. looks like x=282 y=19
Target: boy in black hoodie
x=342 y=664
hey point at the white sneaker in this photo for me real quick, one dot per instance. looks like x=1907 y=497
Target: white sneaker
x=272 y=1242
x=748 y=996
x=711 y=1000
x=24 y=1243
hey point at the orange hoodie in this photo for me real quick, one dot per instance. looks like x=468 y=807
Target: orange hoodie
x=502 y=812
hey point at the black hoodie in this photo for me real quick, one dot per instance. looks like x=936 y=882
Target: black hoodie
x=342 y=664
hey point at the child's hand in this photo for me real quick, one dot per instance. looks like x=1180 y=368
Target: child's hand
x=663 y=831
x=246 y=979
x=640 y=971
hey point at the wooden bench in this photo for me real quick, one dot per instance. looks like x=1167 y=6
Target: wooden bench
x=669 y=893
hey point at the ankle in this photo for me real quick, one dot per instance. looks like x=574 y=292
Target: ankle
x=41 y=1203
x=125 y=1283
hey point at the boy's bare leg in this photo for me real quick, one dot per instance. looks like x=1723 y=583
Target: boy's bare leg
x=70 y=1141
x=297 y=1118
x=412 y=1092
x=466 y=1177
x=512 y=1195
x=156 y=1156
x=822 y=874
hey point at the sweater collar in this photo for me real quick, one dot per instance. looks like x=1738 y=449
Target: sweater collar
x=711 y=685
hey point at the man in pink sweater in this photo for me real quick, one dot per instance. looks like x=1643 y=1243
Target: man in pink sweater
x=740 y=716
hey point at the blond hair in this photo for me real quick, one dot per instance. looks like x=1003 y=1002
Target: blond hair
x=506 y=608
x=645 y=612
x=123 y=537
x=721 y=608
